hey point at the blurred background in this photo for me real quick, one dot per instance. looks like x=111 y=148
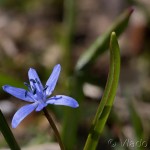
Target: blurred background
x=42 y=33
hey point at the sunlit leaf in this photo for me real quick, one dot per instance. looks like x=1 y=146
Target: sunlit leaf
x=108 y=96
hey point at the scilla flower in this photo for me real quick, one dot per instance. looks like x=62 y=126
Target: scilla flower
x=37 y=95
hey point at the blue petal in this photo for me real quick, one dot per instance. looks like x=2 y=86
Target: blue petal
x=35 y=80
x=18 y=92
x=63 y=100
x=51 y=82
x=22 y=113
x=41 y=106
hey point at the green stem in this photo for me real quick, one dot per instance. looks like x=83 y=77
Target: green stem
x=52 y=124
x=7 y=133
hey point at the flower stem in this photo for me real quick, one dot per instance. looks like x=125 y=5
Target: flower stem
x=52 y=124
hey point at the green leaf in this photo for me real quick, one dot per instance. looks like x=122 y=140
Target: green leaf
x=102 y=42
x=8 y=135
x=108 y=96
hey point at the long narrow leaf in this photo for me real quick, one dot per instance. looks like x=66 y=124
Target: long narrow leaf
x=108 y=96
x=69 y=129
x=8 y=135
x=102 y=42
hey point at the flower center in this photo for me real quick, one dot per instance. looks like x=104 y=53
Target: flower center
x=36 y=90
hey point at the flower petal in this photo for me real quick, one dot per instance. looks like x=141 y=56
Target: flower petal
x=41 y=106
x=63 y=100
x=22 y=113
x=51 y=82
x=18 y=92
x=35 y=80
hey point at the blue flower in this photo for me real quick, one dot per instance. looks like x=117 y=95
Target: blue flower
x=37 y=95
